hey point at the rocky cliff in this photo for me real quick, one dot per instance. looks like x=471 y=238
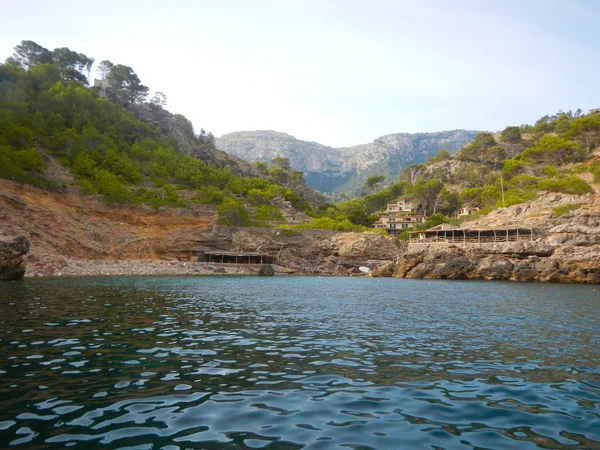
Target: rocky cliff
x=343 y=169
x=566 y=247
x=68 y=232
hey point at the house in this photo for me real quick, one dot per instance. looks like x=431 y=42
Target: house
x=399 y=217
x=466 y=210
x=594 y=111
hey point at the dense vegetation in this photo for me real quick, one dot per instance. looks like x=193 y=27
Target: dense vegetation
x=48 y=113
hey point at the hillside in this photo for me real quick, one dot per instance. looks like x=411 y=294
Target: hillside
x=343 y=170
x=57 y=133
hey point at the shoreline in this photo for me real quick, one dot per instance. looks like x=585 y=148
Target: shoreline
x=75 y=268
x=141 y=268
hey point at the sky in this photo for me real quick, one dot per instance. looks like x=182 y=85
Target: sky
x=338 y=72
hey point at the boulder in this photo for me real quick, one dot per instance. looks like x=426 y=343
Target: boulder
x=266 y=270
x=385 y=270
x=12 y=251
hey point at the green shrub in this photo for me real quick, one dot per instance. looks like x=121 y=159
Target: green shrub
x=110 y=186
x=567 y=185
x=550 y=171
x=404 y=236
x=560 y=210
x=268 y=212
x=209 y=195
x=258 y=197
x=595 y=170
x=552 y=150
x=232 y=212
x=327 y=223
x=511 y=134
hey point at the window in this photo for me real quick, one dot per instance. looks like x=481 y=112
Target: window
x=392 y=225
x=404 y=225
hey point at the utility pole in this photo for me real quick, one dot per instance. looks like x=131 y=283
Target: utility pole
x=502 y=187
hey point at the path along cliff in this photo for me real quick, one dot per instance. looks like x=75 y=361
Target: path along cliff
x=565 y=247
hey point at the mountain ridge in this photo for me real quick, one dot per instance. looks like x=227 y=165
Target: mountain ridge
x=343 y=169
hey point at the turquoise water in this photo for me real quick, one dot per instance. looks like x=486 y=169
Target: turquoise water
x=290 y=363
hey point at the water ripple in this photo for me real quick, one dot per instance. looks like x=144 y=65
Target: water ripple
x=287 y=363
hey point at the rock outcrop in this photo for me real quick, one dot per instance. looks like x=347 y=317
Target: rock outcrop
x=566 y=247
x=312 y=251
x=12 y=251
x=266 y=270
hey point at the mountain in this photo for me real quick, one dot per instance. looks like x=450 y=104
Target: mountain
x=345 y=169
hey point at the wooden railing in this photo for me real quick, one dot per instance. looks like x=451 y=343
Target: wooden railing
x=470 y=239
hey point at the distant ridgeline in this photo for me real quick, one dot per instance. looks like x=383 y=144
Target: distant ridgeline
x=342 y=172
x=56 y=132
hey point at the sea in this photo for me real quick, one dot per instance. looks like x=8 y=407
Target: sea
x=298 y=363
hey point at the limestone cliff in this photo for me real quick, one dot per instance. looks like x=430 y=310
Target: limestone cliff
x=343 y=169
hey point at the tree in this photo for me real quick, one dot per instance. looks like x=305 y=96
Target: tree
x=484 y=140
x=124 y=86
x=159 y=99
x=232 y=212
x=445 y=201
x=442 y=155
x=355 y=211
x=373 y=182
x=435 y=219
x=277 y=175
x=413 y=172
x=281 y=162
x=553 y=150
x=494 y=156
x=511 y=134
x=261 y=167
x=28 y=54
x=104 y=69
x=425 y=193
x=73 y=65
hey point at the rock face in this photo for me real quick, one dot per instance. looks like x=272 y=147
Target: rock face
x=314 y=251
x=70 y=234
x=343 y=169
x=12 y=251
x=566 y=249
x=266 y=270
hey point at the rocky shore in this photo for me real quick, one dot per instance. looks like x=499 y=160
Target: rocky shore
x=155 y=268
x=12 y=252
x=566 y=247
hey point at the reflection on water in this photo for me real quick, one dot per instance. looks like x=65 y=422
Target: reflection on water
x=286 y=363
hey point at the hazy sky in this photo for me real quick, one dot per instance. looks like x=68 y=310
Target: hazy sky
x=336 y=72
